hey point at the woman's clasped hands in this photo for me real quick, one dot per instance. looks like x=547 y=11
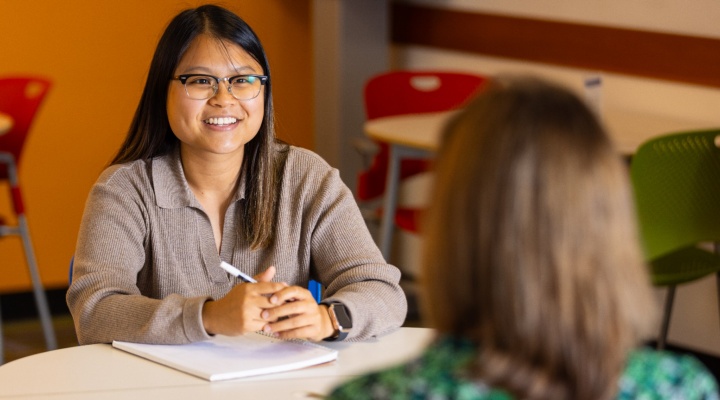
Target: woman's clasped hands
x=288 y=312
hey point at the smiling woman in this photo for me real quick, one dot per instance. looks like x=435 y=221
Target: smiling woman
x=210 y=119
x=113 y=45
x=207 y=116
x=201 y=180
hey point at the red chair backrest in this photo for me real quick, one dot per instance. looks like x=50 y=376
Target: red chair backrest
x=20 y=98
x=410 y=92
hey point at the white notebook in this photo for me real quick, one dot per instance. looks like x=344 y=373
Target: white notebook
x=225 y=357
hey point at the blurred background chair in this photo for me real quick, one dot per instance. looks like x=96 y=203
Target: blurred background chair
x=20 y=98
x=404 y=92
x=676 y=179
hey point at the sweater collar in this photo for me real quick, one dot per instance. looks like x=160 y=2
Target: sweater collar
x=171 y=187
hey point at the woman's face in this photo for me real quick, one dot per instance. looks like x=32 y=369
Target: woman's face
x=221 y=124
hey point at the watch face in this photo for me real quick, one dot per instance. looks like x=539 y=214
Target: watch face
x=343 y=317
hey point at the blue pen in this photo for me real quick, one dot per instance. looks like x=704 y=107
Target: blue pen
x=237 y=273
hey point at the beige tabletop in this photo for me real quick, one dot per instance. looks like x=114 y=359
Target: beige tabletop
x=99 y=371
x=627 y=128
x=6 y=122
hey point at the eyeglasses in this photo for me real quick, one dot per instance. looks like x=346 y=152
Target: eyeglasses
x=202 y=87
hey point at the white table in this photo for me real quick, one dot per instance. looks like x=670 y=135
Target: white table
x=102 y=372
x=6 y=123
x=418 y=136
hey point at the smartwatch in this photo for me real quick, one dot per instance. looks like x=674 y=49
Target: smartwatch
x=340 y=318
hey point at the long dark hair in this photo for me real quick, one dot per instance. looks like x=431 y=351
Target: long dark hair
x=150 y=134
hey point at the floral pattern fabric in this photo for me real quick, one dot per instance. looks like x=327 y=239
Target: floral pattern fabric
x=436 y=375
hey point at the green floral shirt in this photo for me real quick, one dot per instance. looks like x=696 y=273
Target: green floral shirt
x=436 y=375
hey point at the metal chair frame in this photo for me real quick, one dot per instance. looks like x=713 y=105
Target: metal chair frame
x=401 y=92
x=8 y=171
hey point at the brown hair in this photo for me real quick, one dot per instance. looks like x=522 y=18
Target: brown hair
x=531 y=249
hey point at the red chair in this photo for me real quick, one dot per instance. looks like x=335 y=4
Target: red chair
x=408 y=92
x=20 y=98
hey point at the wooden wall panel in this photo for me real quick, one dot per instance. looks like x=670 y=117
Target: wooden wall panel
x=680 y=58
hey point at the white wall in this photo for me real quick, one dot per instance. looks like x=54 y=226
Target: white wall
x=695 y=321
x=350 y=45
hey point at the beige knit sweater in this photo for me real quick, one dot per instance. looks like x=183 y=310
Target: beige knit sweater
x=146 y=259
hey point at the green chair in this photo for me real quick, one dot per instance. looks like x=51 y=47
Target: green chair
x=676 y=179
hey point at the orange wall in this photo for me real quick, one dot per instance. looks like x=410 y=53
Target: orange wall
x=97 y=53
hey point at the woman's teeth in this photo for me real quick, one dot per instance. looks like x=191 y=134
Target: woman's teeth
x=221 y=121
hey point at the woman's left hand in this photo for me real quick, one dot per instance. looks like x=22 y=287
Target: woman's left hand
x=297 y=316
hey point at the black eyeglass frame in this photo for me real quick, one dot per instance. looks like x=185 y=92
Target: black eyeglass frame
x=184 y=77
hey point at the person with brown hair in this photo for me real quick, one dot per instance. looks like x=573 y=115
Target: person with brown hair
x=200 y=180
x=532 y=272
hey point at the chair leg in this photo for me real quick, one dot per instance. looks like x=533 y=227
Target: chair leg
x=387 y=223
x=38 y=290
x=669 y=298
x=717 y=279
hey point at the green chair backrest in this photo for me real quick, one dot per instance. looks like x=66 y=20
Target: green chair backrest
x=676 y=179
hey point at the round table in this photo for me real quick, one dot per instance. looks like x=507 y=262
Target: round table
x=418 y=136
x=102 y=372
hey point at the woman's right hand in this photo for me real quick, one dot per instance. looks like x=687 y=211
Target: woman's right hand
x=240 y=311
